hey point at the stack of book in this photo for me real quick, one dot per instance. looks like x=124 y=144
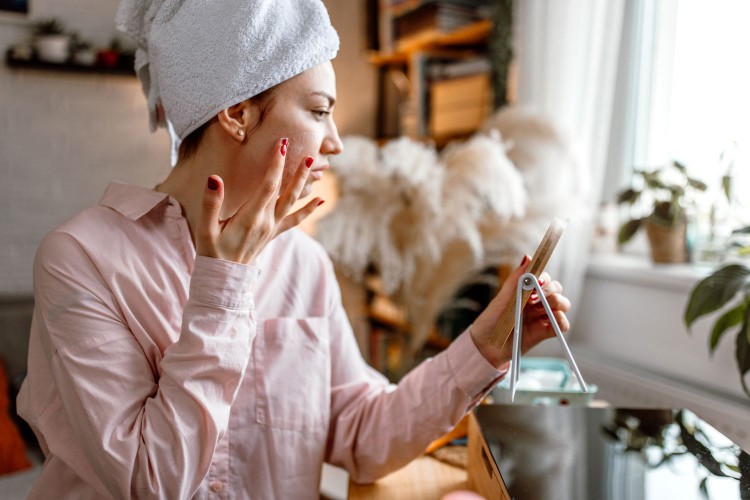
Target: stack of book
x=439 y=47
x=400 y=22
x=460 y=96
x=437 y=16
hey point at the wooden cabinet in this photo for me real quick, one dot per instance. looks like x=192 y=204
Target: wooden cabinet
x=434 y=83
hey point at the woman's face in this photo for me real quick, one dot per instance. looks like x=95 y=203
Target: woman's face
x=301 y=110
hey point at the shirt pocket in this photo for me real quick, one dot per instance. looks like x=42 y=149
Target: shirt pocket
x=292 y=374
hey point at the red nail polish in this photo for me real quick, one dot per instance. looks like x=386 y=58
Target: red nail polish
x=213 y=184
x=309 y=162
x=321 y=202
x=541 y=282
x=525 y=260
x=283 y=150
x=284 y=141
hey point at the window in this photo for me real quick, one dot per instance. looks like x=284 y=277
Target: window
x=694 y=96
x=683 y=93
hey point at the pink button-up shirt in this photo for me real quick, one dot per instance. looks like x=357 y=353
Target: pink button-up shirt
x=154 y=372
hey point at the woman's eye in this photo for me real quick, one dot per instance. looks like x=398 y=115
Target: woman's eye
x=321 y=113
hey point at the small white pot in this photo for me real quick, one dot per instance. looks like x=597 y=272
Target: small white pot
x=53 y=48
x=85 y=57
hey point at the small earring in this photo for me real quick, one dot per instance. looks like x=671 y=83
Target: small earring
x=241 y=133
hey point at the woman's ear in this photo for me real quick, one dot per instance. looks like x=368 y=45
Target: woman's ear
x=237 y=120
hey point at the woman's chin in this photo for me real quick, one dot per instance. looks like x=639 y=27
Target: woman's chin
x=306 y=191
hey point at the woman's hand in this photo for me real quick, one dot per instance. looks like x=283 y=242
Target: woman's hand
x=262 y=217
x=536 y=325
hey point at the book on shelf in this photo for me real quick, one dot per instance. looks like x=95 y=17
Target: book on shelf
x=434 y=16
x=458 y=67
x=459 y=105
x=400 y=22
x=448 y=90
x=446 y=99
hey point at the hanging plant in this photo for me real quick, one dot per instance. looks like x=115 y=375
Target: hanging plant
x=730 y=287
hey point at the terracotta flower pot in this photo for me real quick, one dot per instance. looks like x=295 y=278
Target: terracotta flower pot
x=667 y=242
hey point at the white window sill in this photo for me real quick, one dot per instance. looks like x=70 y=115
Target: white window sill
x=639 y=270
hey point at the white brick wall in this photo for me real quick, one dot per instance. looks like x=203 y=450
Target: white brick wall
x=64 y=137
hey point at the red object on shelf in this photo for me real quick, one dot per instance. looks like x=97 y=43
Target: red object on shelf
x=108 y=58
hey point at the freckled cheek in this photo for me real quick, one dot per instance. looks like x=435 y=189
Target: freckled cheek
x=301 y=145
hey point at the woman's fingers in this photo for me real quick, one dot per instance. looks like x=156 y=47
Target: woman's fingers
x=208 y=228
x=559 y=304
x=269 y=186
x=548 y=287
x=556 y=301
x=263 y=216
x=297 y=217
x=508 y=289
x=291 y=194
x=272 y=179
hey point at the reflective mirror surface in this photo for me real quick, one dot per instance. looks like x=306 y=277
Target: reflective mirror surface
x=567 y=452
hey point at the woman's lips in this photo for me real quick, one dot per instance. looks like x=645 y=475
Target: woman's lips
x=317 y=173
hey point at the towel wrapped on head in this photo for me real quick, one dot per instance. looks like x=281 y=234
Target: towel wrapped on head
x=195 y=58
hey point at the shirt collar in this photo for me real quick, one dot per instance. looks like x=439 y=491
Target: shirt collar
x=133 y=201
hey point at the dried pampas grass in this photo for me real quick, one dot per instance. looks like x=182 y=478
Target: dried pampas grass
x=387 y=212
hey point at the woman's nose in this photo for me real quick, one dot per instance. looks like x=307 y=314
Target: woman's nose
x=332 y=144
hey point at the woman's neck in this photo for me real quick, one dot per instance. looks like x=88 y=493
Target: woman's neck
x=186 y=183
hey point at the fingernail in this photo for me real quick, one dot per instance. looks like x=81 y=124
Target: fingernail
x=525 y=260
x=321 y=202
x=213 y=184
x=309 y=162
x=541 y=281
x=283 y=150
x=284 y=141
x=533 y=296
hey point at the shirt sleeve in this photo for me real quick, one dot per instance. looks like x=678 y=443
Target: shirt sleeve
x=377 y=427
x=140 y=429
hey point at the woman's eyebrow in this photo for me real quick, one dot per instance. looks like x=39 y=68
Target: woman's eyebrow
x=331 y=99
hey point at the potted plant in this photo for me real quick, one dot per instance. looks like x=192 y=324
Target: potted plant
x=51 y=42
x=110 y=57
x=728 y=285
x=82 y=50
x=669 y=190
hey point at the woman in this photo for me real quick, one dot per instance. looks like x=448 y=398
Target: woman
x=184 y=342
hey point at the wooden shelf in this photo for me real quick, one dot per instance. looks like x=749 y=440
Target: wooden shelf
x=473 y=34
x=124 y=67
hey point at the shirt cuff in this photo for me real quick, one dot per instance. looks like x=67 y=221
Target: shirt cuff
x=473 y=374
x=223 y=283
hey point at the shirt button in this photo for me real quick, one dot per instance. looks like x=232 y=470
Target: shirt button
x=217 y=486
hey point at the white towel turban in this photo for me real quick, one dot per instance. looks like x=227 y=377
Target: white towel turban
x=197 y=57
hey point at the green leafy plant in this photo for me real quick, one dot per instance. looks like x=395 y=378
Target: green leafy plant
x=659 y=436
x=78 y=43
x=669 y=187
x=49 y=26
x=728 y=287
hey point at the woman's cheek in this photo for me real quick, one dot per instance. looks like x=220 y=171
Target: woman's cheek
x=307 y=190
